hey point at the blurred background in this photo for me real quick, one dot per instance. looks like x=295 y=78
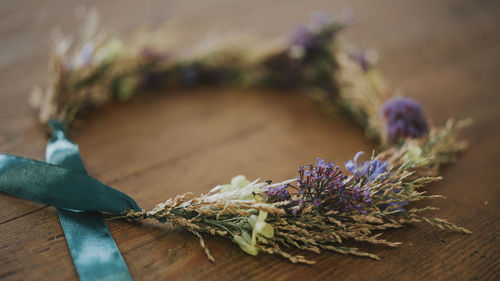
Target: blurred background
x=443 y=53
x=415 y=40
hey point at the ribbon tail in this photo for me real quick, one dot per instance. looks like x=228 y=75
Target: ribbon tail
x=94 y=252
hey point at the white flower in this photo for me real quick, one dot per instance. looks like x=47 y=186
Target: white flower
x=109 y=51
x=240 y=190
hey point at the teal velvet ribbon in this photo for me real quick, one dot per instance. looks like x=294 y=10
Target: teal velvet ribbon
x=63 y=183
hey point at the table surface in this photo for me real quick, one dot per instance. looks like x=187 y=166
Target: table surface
x=444 y=53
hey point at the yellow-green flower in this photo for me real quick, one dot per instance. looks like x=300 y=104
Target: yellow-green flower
x=244 y=241
x=237 y=182
x=415 y=154
x=109 y=51
x=261 y=229
x=260 y=226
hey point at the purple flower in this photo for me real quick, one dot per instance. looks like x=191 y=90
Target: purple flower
x=278 y=194
x=404 y=118
x=394 y=206
x=271 y=191
x=320 y=32
x=323 y=186
x=366 y=59
x=317 y=202
x=303 y=37
x=300 y=202
x=366 y=169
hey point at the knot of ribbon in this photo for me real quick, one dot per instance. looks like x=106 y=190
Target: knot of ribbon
x=62 y=182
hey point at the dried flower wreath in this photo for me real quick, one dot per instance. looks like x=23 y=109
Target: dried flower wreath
x=325 y=205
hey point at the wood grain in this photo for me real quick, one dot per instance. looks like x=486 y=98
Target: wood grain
x=444 y=53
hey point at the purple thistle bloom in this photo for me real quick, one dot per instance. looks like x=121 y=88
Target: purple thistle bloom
x=323 y=186
x=404 y=118
x=303 y=37
x=366 y=169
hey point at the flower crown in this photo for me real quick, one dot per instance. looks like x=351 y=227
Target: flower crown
x=326 y=205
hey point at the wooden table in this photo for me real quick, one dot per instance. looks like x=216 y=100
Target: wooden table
x=444 y=53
